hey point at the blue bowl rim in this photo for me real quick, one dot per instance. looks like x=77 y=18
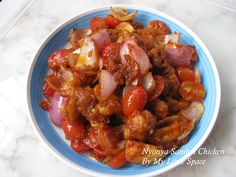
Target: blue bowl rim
x=136 y=7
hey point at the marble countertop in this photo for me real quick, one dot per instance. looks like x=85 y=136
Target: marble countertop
x=22 y=154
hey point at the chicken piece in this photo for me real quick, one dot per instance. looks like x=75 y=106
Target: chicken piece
x=85 y=79
x=154 y=28
x=171 y=85
x=176 y=105
x=139 y=125
x=71 y=111
x=161 y=108
x=144 y=43
x=159 y=26
x=80 y=100
x=131 y=71
x=95 y=118
x=86 y=99
x=111 y=139
x=159 y=62
x=140 y=153
x=110 y=106
x=86 y=102
x=127 y=73
x=170 y=131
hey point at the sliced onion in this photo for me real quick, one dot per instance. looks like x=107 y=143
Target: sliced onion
x=164 y=39
x=67 y=75
x=139 y=55
x=100 y=63
x=125 y=26
x=121 y=14
x=179 y=55
x=166 y=121
x=126 y=90
x=160 y=85
x=124 y=50
x=135 y=82
x=108 y=84
x=136 y=53
x=149 y=83
x=55 y=113
x=77 y=51
x=88 y=58
x=194 y=111
x=101 y=37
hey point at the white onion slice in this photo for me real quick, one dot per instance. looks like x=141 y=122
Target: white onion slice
x=88 y=55
x=194 y=111
x=108 y=84
x=149 y=83
x=77 y=51
x=126 y=90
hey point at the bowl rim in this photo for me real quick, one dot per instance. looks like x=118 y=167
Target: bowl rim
x=137 y=7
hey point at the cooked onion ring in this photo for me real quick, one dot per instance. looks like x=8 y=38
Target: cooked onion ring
x=121 y=14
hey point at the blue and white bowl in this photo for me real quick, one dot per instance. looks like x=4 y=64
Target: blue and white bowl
x=54 y=138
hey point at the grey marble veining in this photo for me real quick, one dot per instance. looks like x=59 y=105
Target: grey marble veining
x=23 y=154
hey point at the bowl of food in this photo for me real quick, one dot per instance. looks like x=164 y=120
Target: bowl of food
x=123 y=91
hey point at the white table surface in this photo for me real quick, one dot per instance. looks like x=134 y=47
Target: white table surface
x=22 y=154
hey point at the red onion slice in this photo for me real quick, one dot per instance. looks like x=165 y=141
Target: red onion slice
x=101 y=38
x=179 y=55
x=136 y=53
x=55 y=113
x=124 y=50
x=139 y=55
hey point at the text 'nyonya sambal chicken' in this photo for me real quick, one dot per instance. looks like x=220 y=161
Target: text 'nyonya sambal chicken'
x=121 y=88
